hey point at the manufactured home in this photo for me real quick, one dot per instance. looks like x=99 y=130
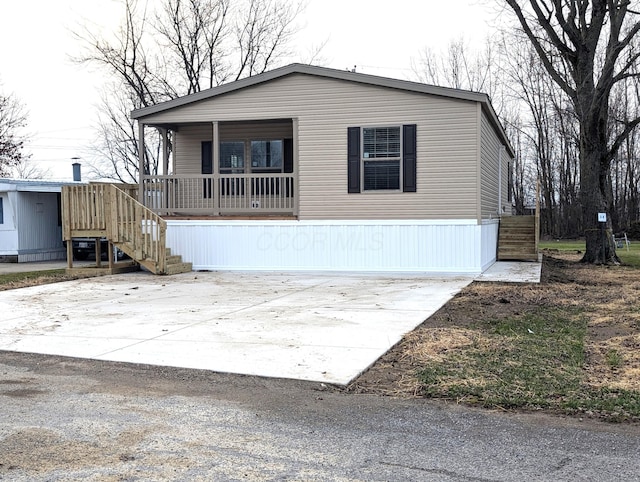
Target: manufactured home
x=310 y=168
x=30 y=221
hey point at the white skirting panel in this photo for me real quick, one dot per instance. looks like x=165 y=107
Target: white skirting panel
x=489 y=242
x=42 y=255
x=455 y=246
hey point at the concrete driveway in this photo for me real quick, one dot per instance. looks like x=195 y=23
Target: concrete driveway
x=308 y=326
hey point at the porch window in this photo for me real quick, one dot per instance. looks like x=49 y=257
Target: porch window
x=231 y=157
x=267 y=155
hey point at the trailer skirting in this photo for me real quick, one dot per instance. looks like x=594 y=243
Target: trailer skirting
x=444 y=246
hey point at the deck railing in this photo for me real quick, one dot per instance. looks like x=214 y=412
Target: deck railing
x=220 y=194
x=131 y=224
x=84 y=210
x=104 y=210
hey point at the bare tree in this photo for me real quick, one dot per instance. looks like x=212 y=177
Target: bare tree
x=13 y=118
x=587 y=47
x=264 y=29
x=547 y=135
x=625 y=173
x=181 y=48
x=27 y=169
x=460 y=67
x=117 y=147
x=194 y=34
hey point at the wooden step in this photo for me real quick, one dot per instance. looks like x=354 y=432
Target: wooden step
x=518 y=247
x=523 y=256
x=517 y=238
x=517 y=220
x=173 y=259
x=178 y=268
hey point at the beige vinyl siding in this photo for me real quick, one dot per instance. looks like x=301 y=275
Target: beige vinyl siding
x=256 y=131
x=447 y=132
x=188 y=148
x=490 y=175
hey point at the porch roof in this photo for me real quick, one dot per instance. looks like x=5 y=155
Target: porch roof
x=345 y=75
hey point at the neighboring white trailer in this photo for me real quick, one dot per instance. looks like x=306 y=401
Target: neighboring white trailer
x=30 y=221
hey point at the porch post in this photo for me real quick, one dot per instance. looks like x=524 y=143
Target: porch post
x=141 y=172
x=296 y=169
x=165 y=169
x=165 y=151
x=215 y=153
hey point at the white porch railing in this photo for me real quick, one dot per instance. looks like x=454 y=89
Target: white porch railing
x=220 y=194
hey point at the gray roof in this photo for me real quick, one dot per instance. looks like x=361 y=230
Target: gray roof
x=33 y=185
x=332 y=74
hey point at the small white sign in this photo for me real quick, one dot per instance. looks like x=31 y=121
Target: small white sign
x=602 y=217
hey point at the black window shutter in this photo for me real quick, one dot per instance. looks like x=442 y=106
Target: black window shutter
x=409 y=158
x=207 y=168
x=207 y=157
x=353 y=159
x=288 y=155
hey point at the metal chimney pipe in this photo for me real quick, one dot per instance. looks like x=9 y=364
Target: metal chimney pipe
x=77 y=177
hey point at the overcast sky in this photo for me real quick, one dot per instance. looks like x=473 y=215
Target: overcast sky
x=380 y=37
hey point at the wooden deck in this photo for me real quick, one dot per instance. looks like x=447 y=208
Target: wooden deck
x=128 y=266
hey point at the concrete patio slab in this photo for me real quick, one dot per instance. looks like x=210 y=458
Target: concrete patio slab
x=309 y=326
x=513 y=272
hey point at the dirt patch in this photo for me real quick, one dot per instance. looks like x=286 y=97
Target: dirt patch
x=34 y=278
x=607 y=296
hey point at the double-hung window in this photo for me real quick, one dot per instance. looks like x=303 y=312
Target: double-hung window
x=381 y=157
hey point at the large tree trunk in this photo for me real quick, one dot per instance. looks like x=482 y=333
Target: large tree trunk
x=594 y=193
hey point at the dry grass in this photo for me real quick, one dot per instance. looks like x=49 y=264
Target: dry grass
x=475 y=349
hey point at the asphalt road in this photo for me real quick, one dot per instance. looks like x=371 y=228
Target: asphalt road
x=73 y=419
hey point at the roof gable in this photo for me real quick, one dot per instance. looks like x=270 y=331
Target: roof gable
x=344 y=75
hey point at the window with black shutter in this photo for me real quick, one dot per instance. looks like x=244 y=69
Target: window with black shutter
x=382 y=158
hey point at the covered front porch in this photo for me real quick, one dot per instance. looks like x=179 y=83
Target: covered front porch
x=230 y=168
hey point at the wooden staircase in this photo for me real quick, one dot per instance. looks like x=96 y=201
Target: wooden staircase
x=518 y=238
x=107 y=211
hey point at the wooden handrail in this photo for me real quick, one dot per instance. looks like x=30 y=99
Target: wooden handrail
x=137 y=227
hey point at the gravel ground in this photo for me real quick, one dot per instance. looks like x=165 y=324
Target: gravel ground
x=72 y=419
